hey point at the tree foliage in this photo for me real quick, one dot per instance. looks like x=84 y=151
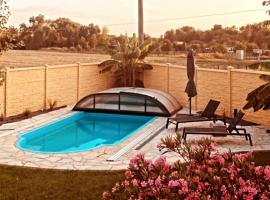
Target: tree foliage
x=6 y=35
x=260 y=97
x=127 y=61
x=218 y=38
x=4 y=13
x=62 y=32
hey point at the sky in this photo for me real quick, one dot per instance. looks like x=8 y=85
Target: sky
x=111 y=13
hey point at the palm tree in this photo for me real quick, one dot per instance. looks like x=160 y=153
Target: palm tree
x=260 y=97
x=127 y=61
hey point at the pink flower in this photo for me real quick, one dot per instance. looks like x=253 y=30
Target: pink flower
x=196 y=179
x=135 y=182
x=106 y=195
x=216 y=178
x=259 y=170
x=173 y=184
x=174 y=174
x=126 y=183
x=213 y=145
x=232 y=170
x=150 y=166
x=135 y=159
x=158 y=182
x=150 y=182
x=220 y=160
x=128 y=174
x=144 y=184
x=210 y=170
x=184 y=186
x=265 y=197
x=160 y=161
x=242 y=156
x=224 y=191
x=267 y=173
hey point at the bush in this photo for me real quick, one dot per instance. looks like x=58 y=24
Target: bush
x=205 y=174
x=218 y=48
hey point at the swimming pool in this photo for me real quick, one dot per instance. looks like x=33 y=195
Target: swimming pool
x=81 y=132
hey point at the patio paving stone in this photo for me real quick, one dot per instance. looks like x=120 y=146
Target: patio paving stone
x=96 y=159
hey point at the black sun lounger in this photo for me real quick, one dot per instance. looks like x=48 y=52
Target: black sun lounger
x=207 y=115
x=220 y=131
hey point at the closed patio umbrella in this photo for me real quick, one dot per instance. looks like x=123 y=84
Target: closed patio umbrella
x=191 y=87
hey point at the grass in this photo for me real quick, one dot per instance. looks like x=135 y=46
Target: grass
x=38 y=184
x=41 y=58
x=262 y=158
x=32 y=184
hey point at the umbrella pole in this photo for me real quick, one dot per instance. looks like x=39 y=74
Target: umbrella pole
x=189 y=105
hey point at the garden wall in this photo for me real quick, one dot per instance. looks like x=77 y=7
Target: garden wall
x=33 y=88
x=228 y=86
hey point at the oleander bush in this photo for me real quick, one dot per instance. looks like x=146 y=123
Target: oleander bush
x=200 y=173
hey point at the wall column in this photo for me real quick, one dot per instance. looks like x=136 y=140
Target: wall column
x=45 y=86
x=78 y=82
x=168 y=78
x=5 y=85
x=196 y=83
x=230 y=68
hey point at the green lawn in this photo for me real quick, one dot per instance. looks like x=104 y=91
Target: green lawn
x=38 y=184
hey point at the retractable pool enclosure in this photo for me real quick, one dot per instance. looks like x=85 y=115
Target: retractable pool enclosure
x=130 y=100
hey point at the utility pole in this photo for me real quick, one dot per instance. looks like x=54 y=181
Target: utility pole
x=141 y=32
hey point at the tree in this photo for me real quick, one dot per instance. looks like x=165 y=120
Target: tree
x=219 y=48
x=93 y=41
x=127 y=61
x=104 y=37
x=260 y=97
x=251 y=46
x=4 y=13
x=62 y=32
x=167 y=46
x=6 y=39
x=266 y=3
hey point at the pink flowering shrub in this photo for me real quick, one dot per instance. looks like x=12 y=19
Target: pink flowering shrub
x=204 y=174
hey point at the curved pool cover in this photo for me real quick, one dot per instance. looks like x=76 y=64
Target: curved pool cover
x=130 y=100
x=81 y=132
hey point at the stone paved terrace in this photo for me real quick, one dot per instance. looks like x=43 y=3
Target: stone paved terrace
x=96 y=159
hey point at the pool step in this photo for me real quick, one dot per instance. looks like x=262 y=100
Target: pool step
x=149 y=133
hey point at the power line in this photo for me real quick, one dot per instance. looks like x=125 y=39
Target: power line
x=190 y=17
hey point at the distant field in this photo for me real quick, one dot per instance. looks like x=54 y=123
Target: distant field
x=41 y=58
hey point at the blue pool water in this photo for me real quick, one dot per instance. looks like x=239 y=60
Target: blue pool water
x=82 y=131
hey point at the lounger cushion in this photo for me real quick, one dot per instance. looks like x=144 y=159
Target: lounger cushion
x=207 y=131
x=189 y=118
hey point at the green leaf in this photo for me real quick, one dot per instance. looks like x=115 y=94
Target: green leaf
x=259 y=98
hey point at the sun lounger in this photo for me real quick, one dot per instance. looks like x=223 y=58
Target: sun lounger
x=220 y=131
x=207 y=115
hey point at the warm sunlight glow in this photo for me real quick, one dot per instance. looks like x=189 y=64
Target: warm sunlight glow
x=109 y=13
